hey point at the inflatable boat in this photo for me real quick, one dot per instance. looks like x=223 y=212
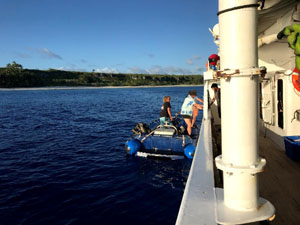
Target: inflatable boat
x=168 y=140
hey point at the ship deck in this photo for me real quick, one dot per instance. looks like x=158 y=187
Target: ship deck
x=280 y=183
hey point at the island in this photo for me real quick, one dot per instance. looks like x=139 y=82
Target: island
x=15 y=76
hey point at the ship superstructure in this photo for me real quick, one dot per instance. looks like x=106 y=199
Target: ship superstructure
x=259 y=96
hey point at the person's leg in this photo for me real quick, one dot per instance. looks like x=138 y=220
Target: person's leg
x=195 y=114
x=188 y=122
x=162 y=120
x=167 y=121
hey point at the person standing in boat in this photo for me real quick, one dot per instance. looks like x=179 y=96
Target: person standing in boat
x=165 y=112
x=189 y=109
x=217 y=97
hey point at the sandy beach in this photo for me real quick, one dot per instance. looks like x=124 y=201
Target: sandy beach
x=87 y=87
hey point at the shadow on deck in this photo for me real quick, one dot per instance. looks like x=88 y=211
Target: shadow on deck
x=280 y=183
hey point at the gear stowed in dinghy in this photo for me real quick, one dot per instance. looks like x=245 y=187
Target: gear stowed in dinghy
x=163 y=140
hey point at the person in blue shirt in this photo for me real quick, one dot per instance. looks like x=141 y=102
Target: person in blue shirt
x=189 y=109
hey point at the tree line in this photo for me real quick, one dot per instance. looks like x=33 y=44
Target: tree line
x=14 y=75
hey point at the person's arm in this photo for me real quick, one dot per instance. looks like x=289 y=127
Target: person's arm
x=169 y=112
x=198 y=106
x=214 y=98
x=199 y=99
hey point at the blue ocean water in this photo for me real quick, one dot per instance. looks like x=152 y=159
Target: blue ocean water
x=62 y=158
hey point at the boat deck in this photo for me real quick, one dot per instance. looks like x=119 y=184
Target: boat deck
x=280 y=183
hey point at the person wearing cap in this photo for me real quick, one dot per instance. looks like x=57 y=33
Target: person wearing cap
x=189 y=109
x=213 y=61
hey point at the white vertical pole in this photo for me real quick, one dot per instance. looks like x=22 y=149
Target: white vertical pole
x=205 y=110
x=238 y=50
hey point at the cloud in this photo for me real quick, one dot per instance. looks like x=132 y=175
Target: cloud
x=137 y=70
x=189 y=61
x=106 y=70
x=156 y=69
x=43 y=52
x=117 y=64
x=199 y=69
x=22 y=55
x=149 y=54
x=46 y=53
x=71 y=67
x=177 y=70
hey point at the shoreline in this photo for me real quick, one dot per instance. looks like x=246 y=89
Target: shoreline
x=88 y=87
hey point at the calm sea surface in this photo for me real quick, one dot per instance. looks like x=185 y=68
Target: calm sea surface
x=62 y=158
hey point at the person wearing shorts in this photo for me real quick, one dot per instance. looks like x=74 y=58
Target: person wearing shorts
x=165 y=111
x=189 y=109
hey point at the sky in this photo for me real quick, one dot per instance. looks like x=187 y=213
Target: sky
x=118 y=36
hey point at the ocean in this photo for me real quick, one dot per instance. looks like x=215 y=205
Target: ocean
x=62 y=158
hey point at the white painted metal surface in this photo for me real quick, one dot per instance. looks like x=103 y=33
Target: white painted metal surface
x=279 y=60
x=238 y=50
x=267 y=102
x=270 y=109
x=239 y=102
x=198 y=202
x=266 y=39
x=229 y=216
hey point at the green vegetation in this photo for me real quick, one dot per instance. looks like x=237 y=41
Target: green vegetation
x=13 y=75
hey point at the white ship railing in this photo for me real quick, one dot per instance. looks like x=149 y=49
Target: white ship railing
x=198 y=202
